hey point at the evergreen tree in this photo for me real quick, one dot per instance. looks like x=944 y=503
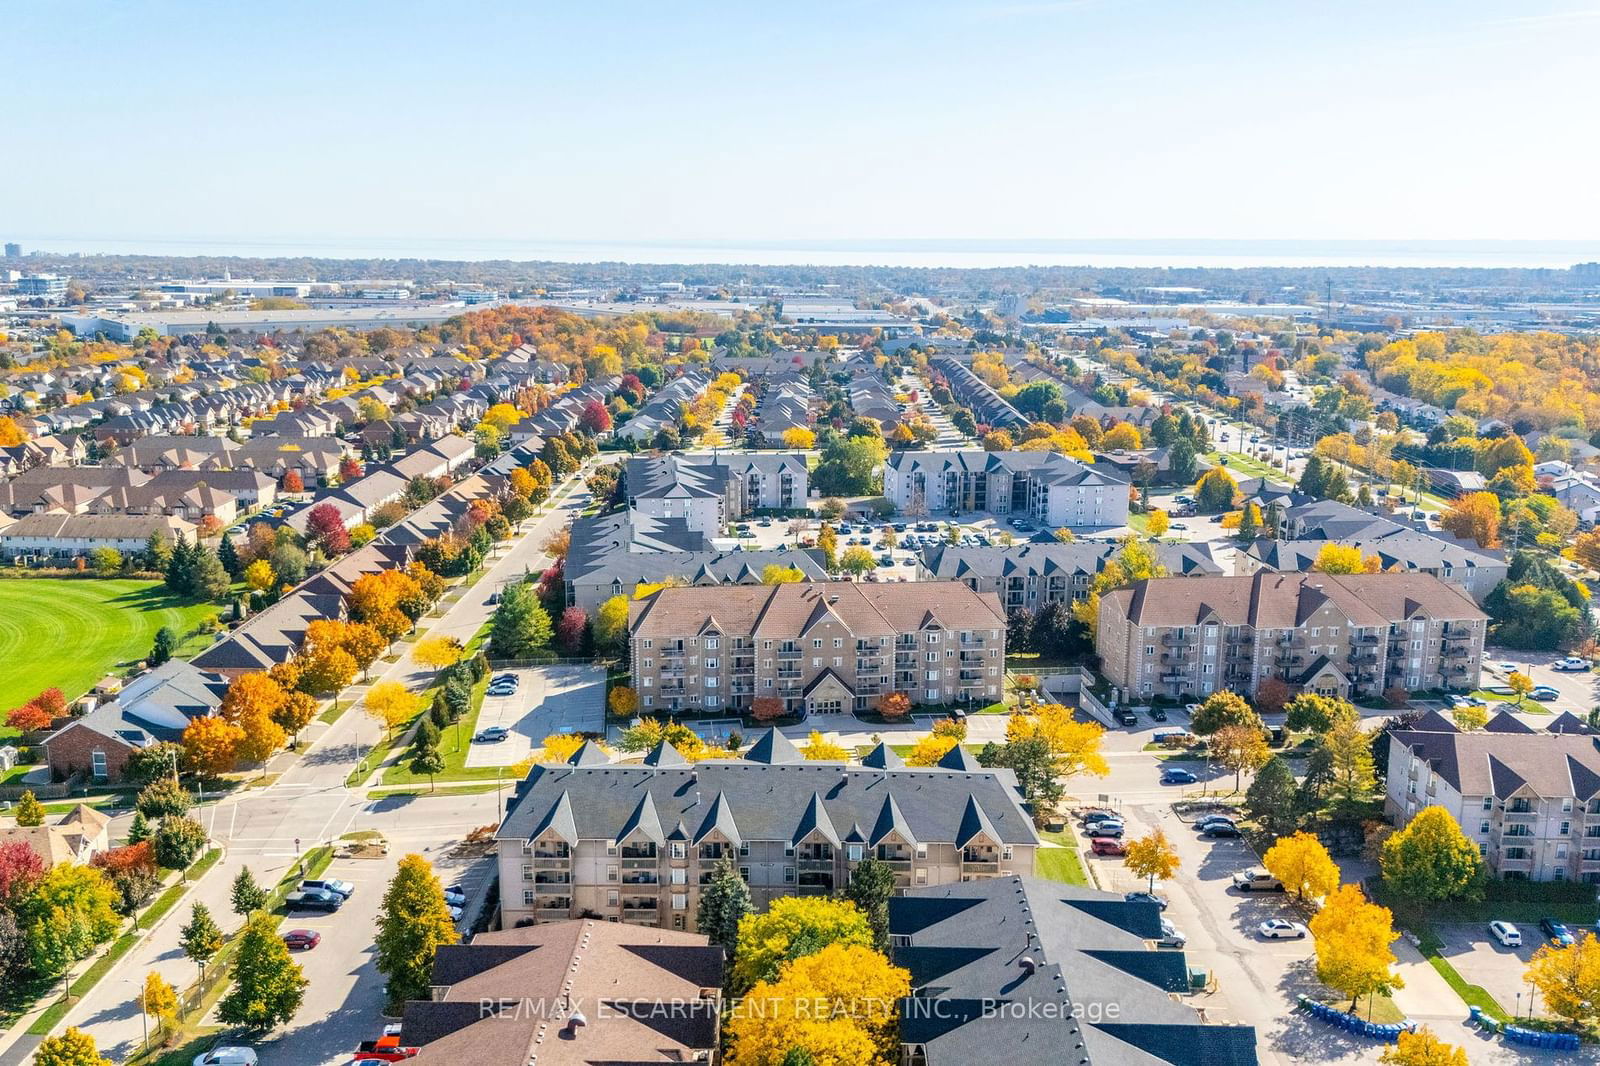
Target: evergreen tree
x=180 y=567
x=268 y=985
x=1270 y=799
x=29 y=811
x=200 y=938
x=248 y=897
x=207 y=579
x=157 y=553
x=520 y=627
x=1314 y=478
x=165 y=643
x=138 y=829
x=723 y=901
x=871 y=885
x=228 y=556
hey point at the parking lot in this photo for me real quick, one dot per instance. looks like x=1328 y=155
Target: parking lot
x=1482 y=960
x=548 y=699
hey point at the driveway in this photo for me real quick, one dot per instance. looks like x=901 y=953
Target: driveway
x=1482 y=960
x=549 y=699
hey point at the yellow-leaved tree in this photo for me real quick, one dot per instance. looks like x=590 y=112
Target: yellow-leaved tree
x=1423 y=1048
x=859 y=1028
x=930 y=749
x=767 y=940
x=1153 y=857
x=1353 y=945
x=1569 y=978
x=1303 y=865
x=391 y=704
x=1074 y=744
x=820 y=749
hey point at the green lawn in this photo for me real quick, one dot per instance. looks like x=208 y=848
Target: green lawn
x=1527 y=706
x=1060 y=864
x=71 y=632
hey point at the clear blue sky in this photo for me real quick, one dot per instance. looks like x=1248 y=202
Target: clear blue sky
x=764 y=120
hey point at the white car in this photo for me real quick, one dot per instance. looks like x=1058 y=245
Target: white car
x=1282 y=929
x=1571 y=662
x=227 y=1056
x=1506 y=933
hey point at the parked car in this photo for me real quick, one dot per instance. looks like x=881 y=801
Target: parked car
x=455 y=897
x=1255 y=879
x=1571 y=662
x=1506 y=933
x=313 y=900
x=1557 y=932
x=301 y=939
x=226 y=1056
x=1281 y=929
x=344 y=888
x=1213 y=819
x=1544 y=692
x=1111 y=827
x=492 y=735
x=1174 y=775
x=1171 y=936
x=1220 y=829
x=1158 y=714
x=1146 y=897
x=1108 y=846
x=1125 y=717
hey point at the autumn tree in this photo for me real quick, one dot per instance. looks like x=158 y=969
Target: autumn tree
x=1520 y=685
x=1157 y=522
x=211 y=746
x=819 y=748
x=1430 y=860
x=622 y=700
x=29 y=811
x=1239 y=748
x=1215 y=491
x=1223 y=708
x=158 y=1000
x=793 y=924
x=1334 y=558
x=413 y=923
x=610 y=627
x=1310 y=712
x=1353 y=939
x=1074 y=745
x=268 y=986
x=766 y=709
x=1349 y=749
x=391 y=704
x=1470 y=717
x=74 y=1047
x=250 y=703
x=1569 y=979
x=1303 y=865
x=437 y=651
x=894 y=705
x=861 y=1028
x=1153 y=857
x=1474 y=516
x=1422 y=1047
x=930 y=749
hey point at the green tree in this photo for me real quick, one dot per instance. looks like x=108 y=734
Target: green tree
x=178 y=842
x=248 y=896
x=138 y=829
x=1223 y=708
x=427 y=760
x=413 y=923
x=1215 y=491
x=1270 y=799
x=1311 y=713
x=161 y=650
x=724 y=901
x=520 y=627
x=1038 y=776
x=1431 y=860
x=871 y=885
x=268 y=985
x=163 y=798
x=71 y=1048
x=200 y=938
x=1350 y=758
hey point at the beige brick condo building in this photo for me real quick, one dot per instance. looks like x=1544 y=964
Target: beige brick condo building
x=635 y=843
x=1340 y=635
x=827 y=647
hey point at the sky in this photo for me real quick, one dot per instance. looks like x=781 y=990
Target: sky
x=391 y=124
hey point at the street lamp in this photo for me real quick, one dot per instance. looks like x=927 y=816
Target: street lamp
x=144 y=1018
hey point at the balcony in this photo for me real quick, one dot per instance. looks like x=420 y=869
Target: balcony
x=672 y=671
x=815 y=865
x=1513 y=865
x=641 y=877
x=1174 y=679
x=559 y=888
x=972 y=642
x=1357 y=658
x=1290 y=640
x=543 y=861
x=556 y=911
x=1176 y=640
x=639 y=914
x=788 y=654
x=1510 y=817
x=1367 y=640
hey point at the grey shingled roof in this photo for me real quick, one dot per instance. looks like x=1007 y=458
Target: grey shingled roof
x=774 y=747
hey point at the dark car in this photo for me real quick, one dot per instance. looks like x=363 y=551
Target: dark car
x=1557 y=932
x=1158 y=714
x=301 y=939
x=1220 y=829
x=492 y=735
x=1212 y=819
x=1125 y=717
x=315 y=899
x=1174 y=775
x=1146 y=897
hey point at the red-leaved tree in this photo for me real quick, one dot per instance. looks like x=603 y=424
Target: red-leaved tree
x=326 y=527
x=20 y=869
x=570 y=629
x=594 y=417
x=292 y=482
x=767 y=709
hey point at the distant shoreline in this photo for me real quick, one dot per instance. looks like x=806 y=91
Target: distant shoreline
x=953 y=253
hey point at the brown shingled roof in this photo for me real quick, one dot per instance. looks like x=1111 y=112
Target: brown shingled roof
x=788 y=610
x=1268 y=600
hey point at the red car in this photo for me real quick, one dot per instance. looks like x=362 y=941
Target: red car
x=1107 y=846
x=301 y=939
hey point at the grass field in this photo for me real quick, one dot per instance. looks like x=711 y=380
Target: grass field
x=68 y=633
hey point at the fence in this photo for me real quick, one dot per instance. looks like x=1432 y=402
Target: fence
x=550 y=660
x=55 y=790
